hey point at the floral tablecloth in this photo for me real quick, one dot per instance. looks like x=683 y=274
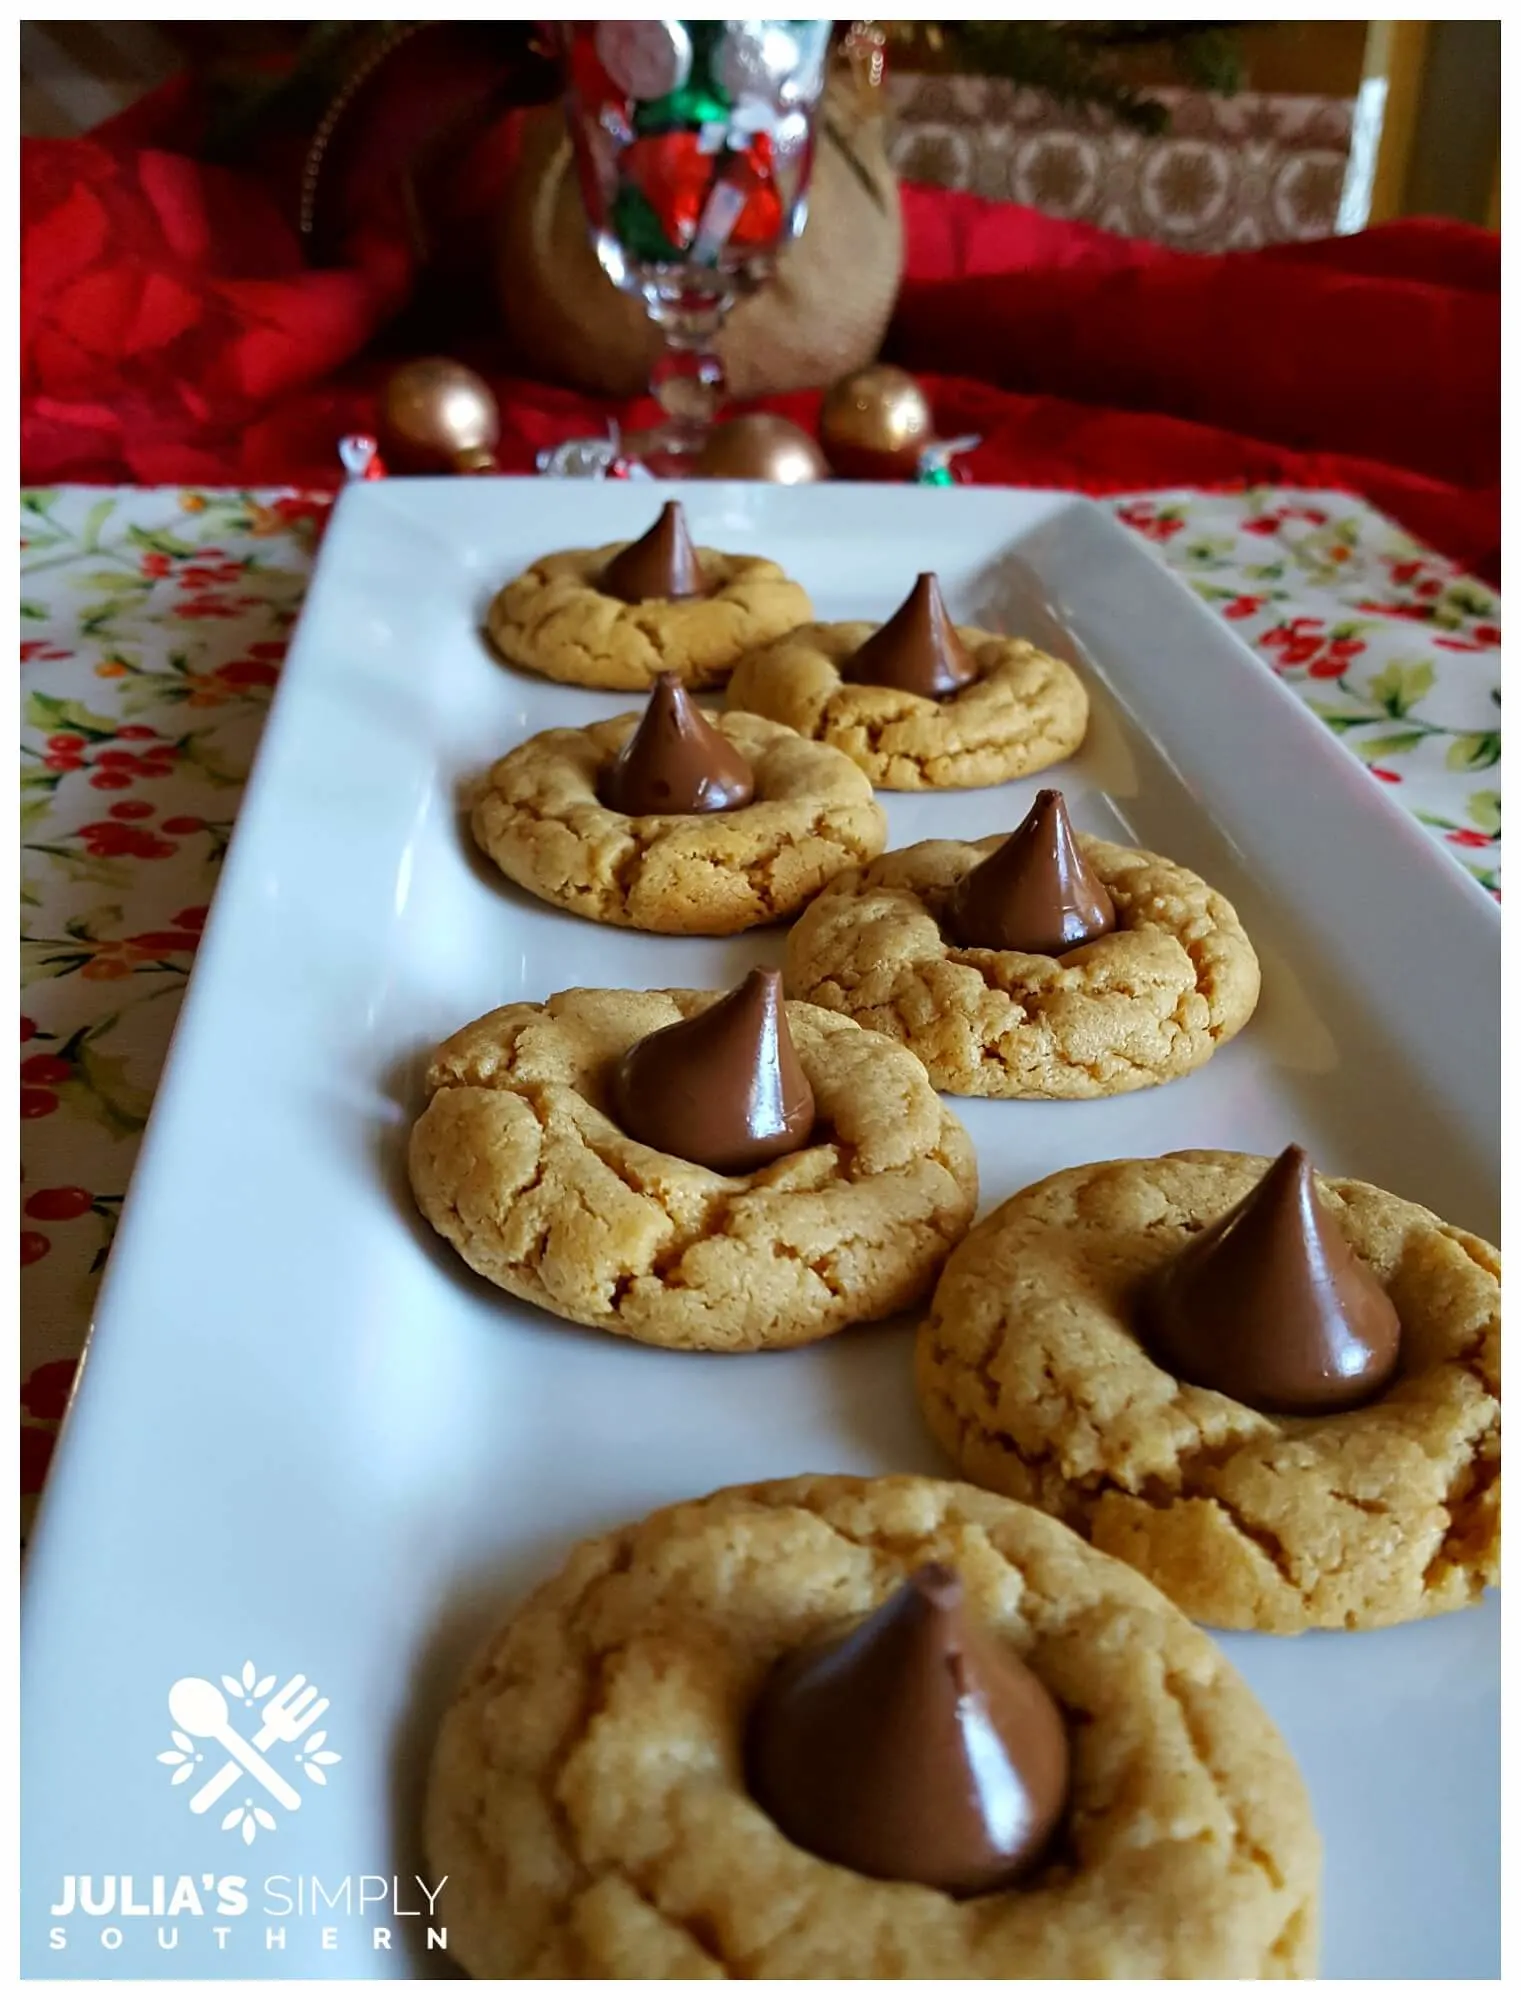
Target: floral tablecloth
x=153 y=626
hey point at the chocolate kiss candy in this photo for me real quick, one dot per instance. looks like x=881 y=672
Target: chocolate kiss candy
x=724 y=1089
x=662 y=563
x=917 y=650
x=915 y=1749
x=1271 y=1306
x=676 y=761
x=1035 y=893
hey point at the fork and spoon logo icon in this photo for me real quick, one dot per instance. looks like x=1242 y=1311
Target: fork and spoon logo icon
x=200 y=1713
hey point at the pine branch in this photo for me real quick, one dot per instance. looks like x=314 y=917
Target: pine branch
x=1076 y=62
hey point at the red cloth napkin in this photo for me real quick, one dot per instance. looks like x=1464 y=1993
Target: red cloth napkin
x=170 y=333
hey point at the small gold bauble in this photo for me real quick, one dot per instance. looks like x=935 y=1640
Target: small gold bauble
x=438 y=416
x=875 y=423
x=761 y=447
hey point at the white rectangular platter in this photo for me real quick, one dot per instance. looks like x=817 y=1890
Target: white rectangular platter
x=307 y=1439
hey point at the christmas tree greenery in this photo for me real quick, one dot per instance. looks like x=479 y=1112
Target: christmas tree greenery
x=1079 y=62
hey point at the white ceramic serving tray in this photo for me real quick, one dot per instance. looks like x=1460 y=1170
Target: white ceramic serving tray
x=307 y=1438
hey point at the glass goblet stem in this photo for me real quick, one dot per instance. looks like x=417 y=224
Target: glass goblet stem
x=687 y=379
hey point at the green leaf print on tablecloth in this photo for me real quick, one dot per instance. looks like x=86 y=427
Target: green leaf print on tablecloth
x=1399 y=687
x=1484 y=811
x=154 y=624
x=1369 y=629
x=1474 y=753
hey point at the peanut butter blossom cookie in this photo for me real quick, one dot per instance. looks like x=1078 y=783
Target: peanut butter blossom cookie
x=615 y=617
x=836 y=1728
x=1046 y=964
x=692 y=1170
x=919 y=703
x=1276 y=1397
x=671 y=822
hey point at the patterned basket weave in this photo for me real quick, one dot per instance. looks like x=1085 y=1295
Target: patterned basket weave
x=1229 y=174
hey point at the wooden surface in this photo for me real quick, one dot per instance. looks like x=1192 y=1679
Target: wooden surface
x=1439 y=149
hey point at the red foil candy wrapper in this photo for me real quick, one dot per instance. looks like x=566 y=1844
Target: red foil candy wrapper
x=602 y=97
x=760 y=220
x=587 y=76
x=359 y=455
x=674 y=175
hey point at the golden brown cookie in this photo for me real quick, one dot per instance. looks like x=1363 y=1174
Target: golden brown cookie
x=538 y=816
x=554 y=621
x=587 y=1799
x=1024 y=711
x=517 y=1161
x=1150 y=1001
x=1032 y=1377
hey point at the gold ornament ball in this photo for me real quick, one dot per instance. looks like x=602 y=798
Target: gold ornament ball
x=439 y=416
x=875 y=423
x=761 y=447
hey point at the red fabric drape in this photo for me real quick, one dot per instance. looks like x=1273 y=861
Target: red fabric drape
x=170 y=332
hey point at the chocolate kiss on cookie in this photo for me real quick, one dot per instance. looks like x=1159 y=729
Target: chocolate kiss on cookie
x=676 y=761
x=917 y=651
x=1270 y=1305
x=1034 y=893
x=724 y=1089
x=915 y=1749
x=662 y=563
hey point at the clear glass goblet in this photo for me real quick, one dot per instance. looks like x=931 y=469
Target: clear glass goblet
x=694 y=145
